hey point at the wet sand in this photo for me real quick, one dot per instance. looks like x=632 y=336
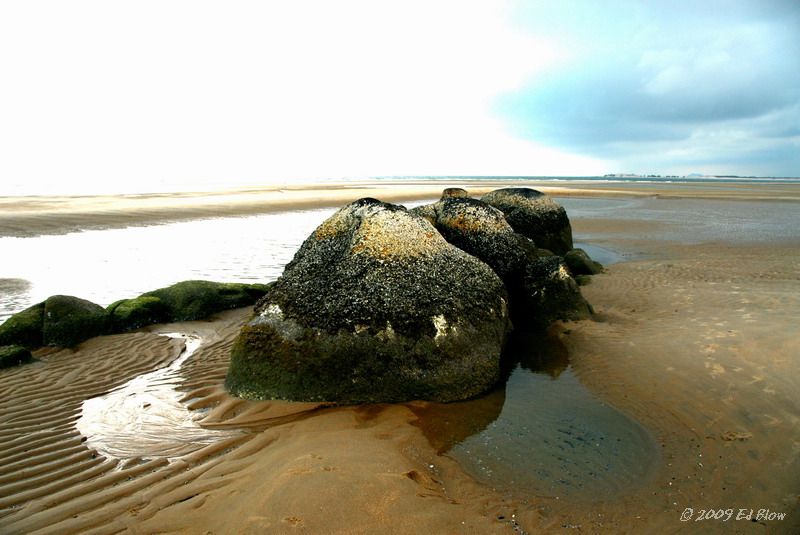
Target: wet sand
x=695 y=341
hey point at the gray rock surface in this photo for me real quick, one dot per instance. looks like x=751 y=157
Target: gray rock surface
x=579 y=263
x=552 y=294
x=482 y=231
x=539 y=290
x=375 y=306
x=535 y=215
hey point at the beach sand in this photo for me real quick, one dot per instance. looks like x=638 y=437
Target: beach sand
x=696 y=341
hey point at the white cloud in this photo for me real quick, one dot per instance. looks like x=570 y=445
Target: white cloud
x=666 y=86
x=188 y=93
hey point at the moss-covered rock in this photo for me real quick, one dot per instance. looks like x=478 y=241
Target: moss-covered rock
x=579 y=263
x=70 y=320
x=14 y=355
x=375 y=306
x=535 y=215
x=66 y=321
x=129 y=314
x=552 y=294
x=24 y=328
x=197 y=299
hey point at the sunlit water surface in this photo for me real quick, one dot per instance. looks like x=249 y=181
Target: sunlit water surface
x=106 y=265
x=144 y=418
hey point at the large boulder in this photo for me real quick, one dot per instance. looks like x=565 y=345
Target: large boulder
x=70 y=320
x=375 y=307
x=24 y=328
x=535 y=215
x=482 y=231
x=14 y=355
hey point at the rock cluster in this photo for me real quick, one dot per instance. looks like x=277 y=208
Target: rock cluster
x=383 y=304
x=539 y=285
x=375 y=306
x=183 y=301
x=65 y=321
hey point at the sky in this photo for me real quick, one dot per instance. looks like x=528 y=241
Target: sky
x=106 y=96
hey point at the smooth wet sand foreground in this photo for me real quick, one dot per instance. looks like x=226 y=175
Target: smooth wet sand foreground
x=698 y=343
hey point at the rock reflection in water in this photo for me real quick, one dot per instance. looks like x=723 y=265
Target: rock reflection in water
x=542 y=432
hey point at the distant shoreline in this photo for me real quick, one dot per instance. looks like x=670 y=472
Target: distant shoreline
x=36 y=215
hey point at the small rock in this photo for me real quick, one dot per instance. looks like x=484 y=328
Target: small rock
x=70 y=320
x=14 y=355
x=579 y=263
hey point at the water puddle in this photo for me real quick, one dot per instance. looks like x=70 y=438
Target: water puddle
x=542 y=432
x=144 y=418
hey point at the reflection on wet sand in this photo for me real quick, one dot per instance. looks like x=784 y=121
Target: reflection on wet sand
x=144 y=418
x=542 y=432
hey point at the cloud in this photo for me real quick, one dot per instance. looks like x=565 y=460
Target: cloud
x=689 y=80
x=192 y=93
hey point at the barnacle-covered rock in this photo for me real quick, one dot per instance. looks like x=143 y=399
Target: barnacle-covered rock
x=375 y=306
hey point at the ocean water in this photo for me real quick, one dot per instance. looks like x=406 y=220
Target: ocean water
x=106 y=265
x=691 y=221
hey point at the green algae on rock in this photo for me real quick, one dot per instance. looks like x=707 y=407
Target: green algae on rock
x=61 y=320
x=183 y=301
x=375 y=307
x=24 y=328
x=129 y=314
x=65 y=321
x=198 y=299
x=69 y=320
x=14 y=355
